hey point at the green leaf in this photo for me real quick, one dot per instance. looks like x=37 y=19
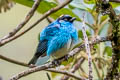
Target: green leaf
x=89 y=1
x=108 y=50
x=117 y=10
x=47 y=6
x=27 y=3
x=64 y=11
x=103 y=30
x=96 y=46
x=80 y=34
x=114 y=5
x=67 y=62
x=88 y=17
x=80 y=4
x=53 y=74
x=102 y=18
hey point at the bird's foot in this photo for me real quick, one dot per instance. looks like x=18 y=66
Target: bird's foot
x=66 y=57
x=56 y=62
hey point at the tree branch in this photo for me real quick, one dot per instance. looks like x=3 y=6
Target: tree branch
x=87 y=47
x=66 y=73
x=74 y=68
x=13 y=61
x=32 y=70
x=53 y=10
x=51 y=65
x=106 y=9
x=49 y=19
x=97 y=71
x=48 y=76
x=21 y=25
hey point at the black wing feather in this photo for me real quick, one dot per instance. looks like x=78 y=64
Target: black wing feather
x=42 y=48
x=40 y=52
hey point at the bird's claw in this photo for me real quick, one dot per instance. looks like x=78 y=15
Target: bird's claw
x=56 y=62
x=66 y=57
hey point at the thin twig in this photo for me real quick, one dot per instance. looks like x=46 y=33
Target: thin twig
x=1 y=78
x=51 y=65
x=87 y=47
x=97 y=71
x=21 y=25
x=49 y=19
x=66 y=73
x=74 y=68
x=13 y=61
x=48 y=76
x=53 y=10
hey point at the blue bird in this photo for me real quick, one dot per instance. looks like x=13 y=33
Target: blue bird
x=57 y=39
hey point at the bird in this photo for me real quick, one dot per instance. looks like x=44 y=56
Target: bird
x=57 y=39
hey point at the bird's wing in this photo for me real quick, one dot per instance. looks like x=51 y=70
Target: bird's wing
x=41 y=51
x=42 y=48
x=45 y=36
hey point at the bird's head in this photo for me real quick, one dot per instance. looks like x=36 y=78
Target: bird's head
x=67 y=18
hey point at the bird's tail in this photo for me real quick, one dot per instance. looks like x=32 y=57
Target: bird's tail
x=33 y=60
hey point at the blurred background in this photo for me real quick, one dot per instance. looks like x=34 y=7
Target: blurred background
x=23 y=48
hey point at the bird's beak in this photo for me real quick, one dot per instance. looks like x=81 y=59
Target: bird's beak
x=71 y=20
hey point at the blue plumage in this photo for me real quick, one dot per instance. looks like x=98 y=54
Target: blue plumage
x=57 y=38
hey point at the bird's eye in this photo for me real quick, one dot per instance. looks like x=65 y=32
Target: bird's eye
x=65 y=19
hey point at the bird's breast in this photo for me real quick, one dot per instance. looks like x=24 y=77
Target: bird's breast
x=63 y=51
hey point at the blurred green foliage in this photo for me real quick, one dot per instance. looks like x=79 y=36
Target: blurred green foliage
x=47 y=5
